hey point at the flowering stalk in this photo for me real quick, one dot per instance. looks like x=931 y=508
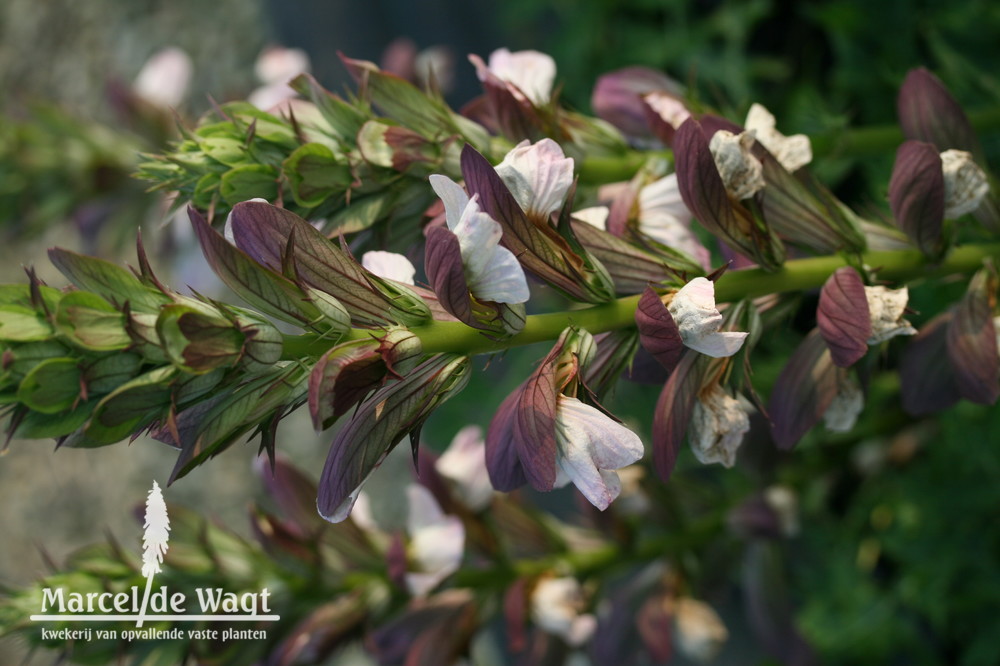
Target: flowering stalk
x=795 y=275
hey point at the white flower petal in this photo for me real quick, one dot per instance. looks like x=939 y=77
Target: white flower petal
x=741 y=172
x=454 y=197
x=389 y=265
x=556 y=605
x=164 y=78
x=700 y=632
x=669 y=108
x=464 y=464
x=590 y=446
x=437 y=541
x=718 y=424
x=663 y=196
x=492 y=272
x=843 y=412
x=595 y=216
x=792 y=152
x=886 y=307
x=693 y=310
x=538 y=175
x=532 y=72
x=965 y=184
x=278 y=64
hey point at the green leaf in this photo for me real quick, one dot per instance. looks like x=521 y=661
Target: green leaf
x=207 y=428
x=230 y=152
x=112 y=282
x=22 y=324
x=91 y=322
x=258 y=285
x=248 y=182
x=315 y=174
x=128 y=409
x=40 y=425
x=109 y=372
x=197 y=342
x=52 y=386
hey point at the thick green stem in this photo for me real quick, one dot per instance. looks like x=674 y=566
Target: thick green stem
x=796 y=275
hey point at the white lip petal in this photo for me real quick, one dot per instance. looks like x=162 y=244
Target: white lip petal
x=389 y=265
x=464 y=464
x=538 y=175
x=454 y=197
x=595 y=216
x=492 y=272
x=590 y=446
x=792 y=152
x=437 y=541
x=693 y=310
x=532 y=72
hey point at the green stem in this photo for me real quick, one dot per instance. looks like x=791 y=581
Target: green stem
x=795 y=275
x=853 y=142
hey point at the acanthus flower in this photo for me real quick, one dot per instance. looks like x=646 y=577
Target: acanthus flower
x=492 y=272
x=539 y=176
x=718 y=424
x=464 y=464
x=437 y=542
x=556 y=607
x=389 y=265
x=544 y=435
x=529 y=75
x=698 y=320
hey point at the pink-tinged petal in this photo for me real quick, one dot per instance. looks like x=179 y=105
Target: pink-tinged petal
x=673 y=412
x=926 y=377
x=531 y=72
x=539 y=176
x=617 y=97
x=804 y=391
x=916 y=195
x=535 y=426
x=164 y=78
x=843 y=318
x=658 y=333
x=972 y=342
x=502 y=461
x=698 y=321
x=454 y=197
x=928 y=112
x=464 y=464
x=437 y=541
x=389 y=265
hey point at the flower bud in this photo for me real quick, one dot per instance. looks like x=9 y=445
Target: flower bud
x=917 y=195
x=618 y=97
x=965 y=184
x=742 y=173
